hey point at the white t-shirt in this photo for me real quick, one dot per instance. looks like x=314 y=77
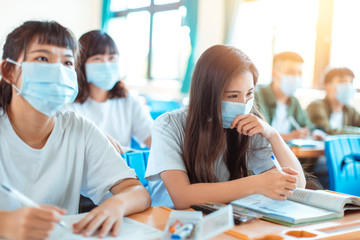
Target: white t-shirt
x=281 y=120
x=77 y=158
x=166 y=154
x=121 y=118
x=336 y=120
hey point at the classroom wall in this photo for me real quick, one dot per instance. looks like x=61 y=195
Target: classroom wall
x=78 y=15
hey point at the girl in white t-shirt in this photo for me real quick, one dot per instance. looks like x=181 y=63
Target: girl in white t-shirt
x=210 y=151
x=103 y=98
x=54 y=157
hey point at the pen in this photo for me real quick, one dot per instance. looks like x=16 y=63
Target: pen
x=177 y=224
x=183 y=232
x=294 y=123
x=23 y=199
x=276 y=163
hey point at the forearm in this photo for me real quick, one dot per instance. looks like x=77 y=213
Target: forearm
x=287 y=158
x=222 y=192
x=132 y=199
x=3 y=228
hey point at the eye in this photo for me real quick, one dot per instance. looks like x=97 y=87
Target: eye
x=113 y=58
x=250 y=93
x=68 y=63
x=233 y=96
x=42 y=59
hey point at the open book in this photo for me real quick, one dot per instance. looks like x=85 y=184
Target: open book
x=304 y=206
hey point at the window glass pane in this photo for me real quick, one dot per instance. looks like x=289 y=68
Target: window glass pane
x=117 y=5
x=137 y=3
x=116 y=29
x=158 y=2
x=295 y=30
x=266 y=27
x=345 y=45
x=132 y=38
x=167 y=36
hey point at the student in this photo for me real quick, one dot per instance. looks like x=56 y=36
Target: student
x=333 y=114
x=219 y=149
x=102 y=96
x=51 y=156
x=277 y=101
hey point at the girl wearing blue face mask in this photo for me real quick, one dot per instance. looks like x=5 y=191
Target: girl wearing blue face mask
x=219 y=149
x=102 y=96
x=54 y=157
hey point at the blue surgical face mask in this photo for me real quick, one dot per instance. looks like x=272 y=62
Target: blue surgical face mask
x=229 y=110
x=104 y=75
x=289 y=84
x=345 y=92
x=47 y=86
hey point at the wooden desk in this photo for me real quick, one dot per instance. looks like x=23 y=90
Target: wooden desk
x=307 y=152
x=344 y=229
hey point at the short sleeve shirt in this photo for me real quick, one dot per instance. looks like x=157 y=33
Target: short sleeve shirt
x=76 y=159
x=120 y=118
x=166 y=154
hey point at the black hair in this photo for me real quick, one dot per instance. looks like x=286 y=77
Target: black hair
x=292 y=56
x=94 y=43
x=337 y=72
x=46 y=32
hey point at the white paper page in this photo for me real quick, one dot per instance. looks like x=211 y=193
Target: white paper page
x=321 y=199
x=130 y=229
x=287 y=208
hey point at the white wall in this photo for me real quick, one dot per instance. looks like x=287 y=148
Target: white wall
x=79 y=16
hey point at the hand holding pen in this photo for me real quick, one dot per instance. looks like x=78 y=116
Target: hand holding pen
x=30 y=222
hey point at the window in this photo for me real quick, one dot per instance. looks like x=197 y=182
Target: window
x=152 y=39
x=345 y=47
x=266 y=27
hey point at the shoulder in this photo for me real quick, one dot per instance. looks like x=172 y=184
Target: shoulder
x=174 y=118
x=351 y=109
x=72 y=120
x=316 y=105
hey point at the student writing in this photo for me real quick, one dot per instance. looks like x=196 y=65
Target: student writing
x=219 y=148
x=51 y=156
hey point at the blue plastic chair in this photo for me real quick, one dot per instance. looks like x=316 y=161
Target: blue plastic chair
x=138 y=161
x=158 y=107
x=343 y=162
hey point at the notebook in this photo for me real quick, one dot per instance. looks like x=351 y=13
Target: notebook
x=304 y=206
x=305 y=143
x=130 y=229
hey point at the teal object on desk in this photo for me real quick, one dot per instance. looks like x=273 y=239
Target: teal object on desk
x=159 y=107
x=343 y=162
x=138 y=161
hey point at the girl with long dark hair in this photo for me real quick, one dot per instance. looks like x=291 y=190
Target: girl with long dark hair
x=219 y=148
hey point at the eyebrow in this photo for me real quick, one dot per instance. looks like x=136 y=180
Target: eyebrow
x=236 y=91
x=48 y=52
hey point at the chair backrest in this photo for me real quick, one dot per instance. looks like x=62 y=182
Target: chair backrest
x=343 y=162
x=138 y=161
x=158 y=107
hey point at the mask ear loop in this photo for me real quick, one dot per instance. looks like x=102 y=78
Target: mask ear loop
x=16 y=63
